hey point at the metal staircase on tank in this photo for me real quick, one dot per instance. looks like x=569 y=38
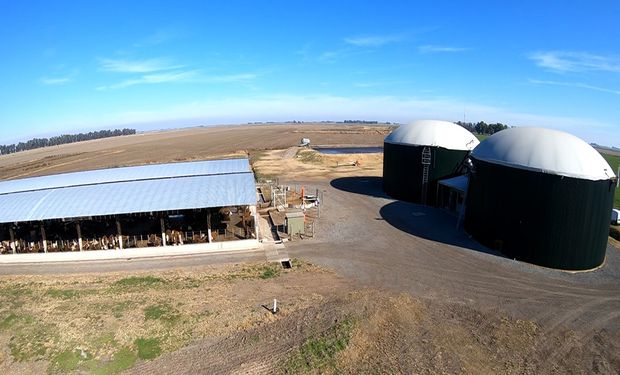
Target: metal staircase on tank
x=426 y=164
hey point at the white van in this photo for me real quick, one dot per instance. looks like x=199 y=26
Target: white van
x=615 y=216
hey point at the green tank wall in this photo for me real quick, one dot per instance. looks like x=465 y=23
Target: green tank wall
x=402 y=170
x=545 y=219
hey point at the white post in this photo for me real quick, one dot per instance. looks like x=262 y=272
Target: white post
x=12 y=234
x=275 y=305
x=43 y=238
x=79 y=233
x=254 y=213
x=163 y=231
x=120 y=235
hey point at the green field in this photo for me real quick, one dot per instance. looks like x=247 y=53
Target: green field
x=481 y=137
x=614 y=161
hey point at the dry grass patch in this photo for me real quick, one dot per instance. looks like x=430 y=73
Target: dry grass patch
x=310 y=164
x=106 y=323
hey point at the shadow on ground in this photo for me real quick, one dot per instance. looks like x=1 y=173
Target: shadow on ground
x=365 y=185
x=431 y=224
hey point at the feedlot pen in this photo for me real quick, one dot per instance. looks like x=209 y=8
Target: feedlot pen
x=139 y=230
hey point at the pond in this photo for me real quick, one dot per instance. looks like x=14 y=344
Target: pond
x=349 y=150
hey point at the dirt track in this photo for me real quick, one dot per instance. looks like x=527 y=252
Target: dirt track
x=556 y=321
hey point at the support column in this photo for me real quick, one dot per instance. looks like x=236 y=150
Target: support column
x=12 y=234
x=163 y=231
x=43 y=238
x=255 y=217
x=209 y=226
x=120 y=235
x=79 y=233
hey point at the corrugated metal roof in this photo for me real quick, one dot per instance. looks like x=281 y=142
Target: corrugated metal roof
x=129 y=197
x=459 y=183
x=161 y=187
x=143 y=172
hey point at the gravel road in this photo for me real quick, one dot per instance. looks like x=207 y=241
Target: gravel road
x=384 y=243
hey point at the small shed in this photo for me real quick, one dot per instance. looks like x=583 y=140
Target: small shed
x=295 y=223
x=451 y=193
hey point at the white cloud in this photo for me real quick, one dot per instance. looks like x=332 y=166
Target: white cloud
x=567 y=61
x=344 y=53
x=372 y=84
x=153 y=78
x=435 y=49
x=190 y=76
x=576 y=85
x=241 y=77
x=55 y=81
x=372 y=41
x=137 y=66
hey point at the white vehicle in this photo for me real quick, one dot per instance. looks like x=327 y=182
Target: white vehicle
x=615 y=216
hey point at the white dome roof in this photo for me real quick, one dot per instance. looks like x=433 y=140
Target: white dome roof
x=544 y=150
x=433 y=133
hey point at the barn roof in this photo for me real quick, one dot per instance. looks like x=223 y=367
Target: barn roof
x=433 y=133
x=544 y=150
x=142 y=172
x=161 y=187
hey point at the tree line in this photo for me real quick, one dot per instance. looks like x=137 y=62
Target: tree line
x=482 y=127
x=62 y=139
x=360 y=122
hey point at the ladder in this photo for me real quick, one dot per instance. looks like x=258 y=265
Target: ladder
x=278 y=196
x=426 y=164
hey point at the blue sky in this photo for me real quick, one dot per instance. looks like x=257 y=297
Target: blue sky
x=82 y=65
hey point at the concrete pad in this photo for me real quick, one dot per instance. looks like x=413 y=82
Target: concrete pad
x=145 y=252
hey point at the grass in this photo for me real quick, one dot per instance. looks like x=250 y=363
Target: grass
x=255 y=156
x=104 y=324
x=122 y=360
x=119 y=308
x=481 y=137
x=62 y=293
x=141 y=281
x=68 y=361
x=614 y=162
x=270 y=272
x=105 y=339
x=318 y=353
x=309 y=156
x=148 y=348
x=13 y=319
x=32 y=340
x=162 y=312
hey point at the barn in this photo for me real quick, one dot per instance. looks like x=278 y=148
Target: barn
x=202 y=203
x=542 y=196
x=416 y=156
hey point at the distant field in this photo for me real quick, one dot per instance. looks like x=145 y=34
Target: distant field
x=614 y=162
x=481 y=137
